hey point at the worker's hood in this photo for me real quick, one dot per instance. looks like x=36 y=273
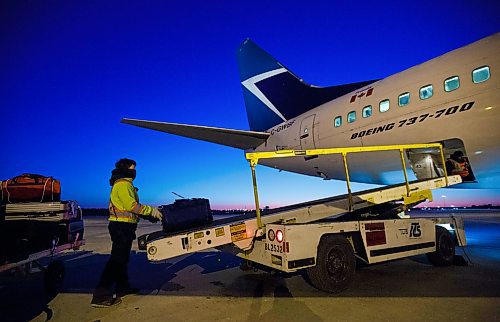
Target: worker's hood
x=121 y=174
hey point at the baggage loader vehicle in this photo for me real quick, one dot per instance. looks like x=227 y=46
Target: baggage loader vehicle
x=323 y=239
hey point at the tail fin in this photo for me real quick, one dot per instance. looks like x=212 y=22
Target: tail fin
x=273 y=94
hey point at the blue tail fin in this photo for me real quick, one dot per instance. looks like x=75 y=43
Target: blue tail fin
x=273 y=94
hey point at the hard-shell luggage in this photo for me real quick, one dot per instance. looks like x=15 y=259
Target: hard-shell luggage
x=30 y=188
x=186 y=213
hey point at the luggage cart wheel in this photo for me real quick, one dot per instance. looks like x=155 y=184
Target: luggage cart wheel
x=54 y=277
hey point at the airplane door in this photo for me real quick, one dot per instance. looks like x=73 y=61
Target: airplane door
x=307 y=133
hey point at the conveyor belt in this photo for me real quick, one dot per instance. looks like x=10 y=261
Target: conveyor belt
x=337 y=205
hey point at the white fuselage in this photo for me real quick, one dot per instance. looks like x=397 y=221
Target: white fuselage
x=475 y=120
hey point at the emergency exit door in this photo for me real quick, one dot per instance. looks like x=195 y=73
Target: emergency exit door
x=307 y=133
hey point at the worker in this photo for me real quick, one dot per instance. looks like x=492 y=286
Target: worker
x=457 y=164
x=124 y=213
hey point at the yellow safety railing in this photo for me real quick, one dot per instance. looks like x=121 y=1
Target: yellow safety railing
x=254 y=157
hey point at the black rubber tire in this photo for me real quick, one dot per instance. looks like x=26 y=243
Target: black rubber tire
x=445 y=248
x=54 y=278
x=335 y=265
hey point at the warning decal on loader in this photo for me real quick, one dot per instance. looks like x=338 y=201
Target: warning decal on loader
x=238 y=232
x=375 y=234
x=219 y=232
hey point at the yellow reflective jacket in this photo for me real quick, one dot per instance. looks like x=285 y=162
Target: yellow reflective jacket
x=124 y=203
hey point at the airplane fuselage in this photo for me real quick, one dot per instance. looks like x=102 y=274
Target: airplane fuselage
x=466 y=115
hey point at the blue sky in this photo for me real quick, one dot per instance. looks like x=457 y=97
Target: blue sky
x=70 y=70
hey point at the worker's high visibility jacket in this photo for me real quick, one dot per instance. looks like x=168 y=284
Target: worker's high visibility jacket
x=459 y=168
x=124 y=203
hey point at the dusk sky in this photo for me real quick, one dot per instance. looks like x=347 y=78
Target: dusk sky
x=70 y=70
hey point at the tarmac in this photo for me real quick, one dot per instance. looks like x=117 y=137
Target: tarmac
x=209 y=286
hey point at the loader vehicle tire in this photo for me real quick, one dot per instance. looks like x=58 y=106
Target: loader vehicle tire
x=445 y=248
x=53 y=278
x=335 y=265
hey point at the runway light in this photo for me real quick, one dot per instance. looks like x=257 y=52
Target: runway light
x=279 y=236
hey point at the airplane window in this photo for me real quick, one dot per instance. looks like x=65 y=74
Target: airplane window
x=451 y=84
x=404 y=99
x=481 y=74
x=367 y=111
x=338 y=121
x=383 y=106
x=351 y=117
x=426 y=92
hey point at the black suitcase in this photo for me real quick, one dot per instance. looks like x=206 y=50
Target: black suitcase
x=186 y=213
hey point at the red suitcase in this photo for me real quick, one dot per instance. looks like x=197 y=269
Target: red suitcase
x=31 y=188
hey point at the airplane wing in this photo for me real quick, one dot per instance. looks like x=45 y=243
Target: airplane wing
x=239 y=139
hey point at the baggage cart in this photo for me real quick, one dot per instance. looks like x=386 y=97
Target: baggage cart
x=54 y=272
x=34 y=231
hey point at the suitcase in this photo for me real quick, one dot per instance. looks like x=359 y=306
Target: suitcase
x=31 y=188
x=186 y=213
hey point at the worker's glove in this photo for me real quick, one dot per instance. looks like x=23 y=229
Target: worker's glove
x=156 y=214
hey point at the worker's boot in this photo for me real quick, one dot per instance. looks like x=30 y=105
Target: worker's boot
x=105 y=301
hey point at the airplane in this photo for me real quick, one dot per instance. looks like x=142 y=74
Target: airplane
x=452 y=99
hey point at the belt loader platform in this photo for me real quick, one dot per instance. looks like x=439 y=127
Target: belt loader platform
x=324 y=237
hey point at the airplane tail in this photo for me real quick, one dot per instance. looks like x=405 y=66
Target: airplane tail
x=273 y=94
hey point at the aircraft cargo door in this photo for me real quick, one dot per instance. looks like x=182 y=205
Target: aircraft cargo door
x=307 y=133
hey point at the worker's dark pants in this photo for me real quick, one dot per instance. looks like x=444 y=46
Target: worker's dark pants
x=116 y=270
